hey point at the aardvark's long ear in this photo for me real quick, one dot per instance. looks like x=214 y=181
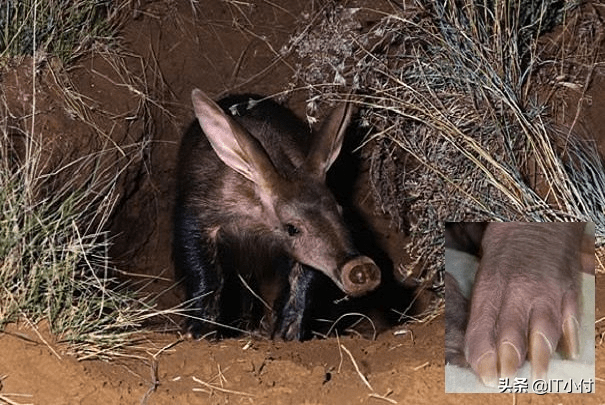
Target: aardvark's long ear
x=328 y=141
x=235 y=146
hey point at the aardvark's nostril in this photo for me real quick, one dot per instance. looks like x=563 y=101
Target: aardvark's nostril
x=358 y=275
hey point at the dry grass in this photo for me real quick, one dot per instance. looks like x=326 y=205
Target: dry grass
x=457 y=132
x=55 y=263
x=55 y=266
x=62 y=28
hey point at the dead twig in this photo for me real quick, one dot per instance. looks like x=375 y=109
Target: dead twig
x=223 y=390
x=5 y=400
x=423 y=365
x=384 y=397
x=363 y=378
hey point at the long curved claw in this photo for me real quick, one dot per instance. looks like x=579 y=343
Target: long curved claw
x=571 y=340
x=540 y=350
x=487 y=369
x=509 y=358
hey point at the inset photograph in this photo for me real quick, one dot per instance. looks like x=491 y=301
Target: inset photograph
x=520 y=307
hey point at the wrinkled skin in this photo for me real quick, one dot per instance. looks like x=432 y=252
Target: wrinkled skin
x=524 y=303
x=456 y=313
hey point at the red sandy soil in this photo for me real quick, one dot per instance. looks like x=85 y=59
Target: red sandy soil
x=399 y=368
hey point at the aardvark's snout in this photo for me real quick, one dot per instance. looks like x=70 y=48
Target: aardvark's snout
x=360 y=275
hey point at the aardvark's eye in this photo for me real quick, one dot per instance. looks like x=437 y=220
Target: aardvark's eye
x=292 y=230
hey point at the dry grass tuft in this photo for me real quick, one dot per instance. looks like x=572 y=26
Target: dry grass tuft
x=55 y=266
x=55 y=263
x=63 y=28
x=459 y=130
